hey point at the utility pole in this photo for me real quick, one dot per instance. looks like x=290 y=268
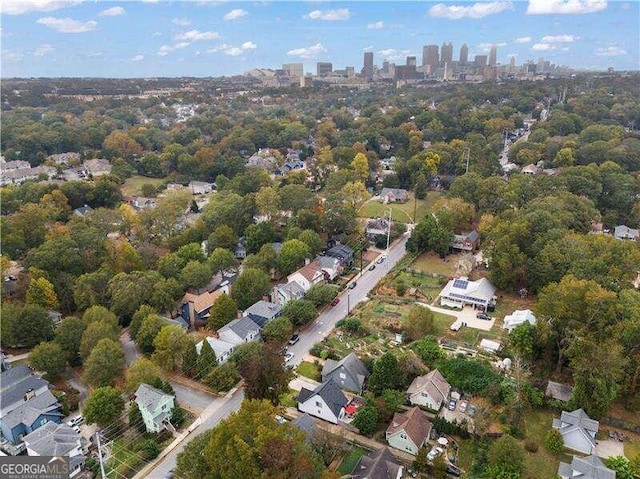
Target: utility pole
x=348 y=305
x=100 y=456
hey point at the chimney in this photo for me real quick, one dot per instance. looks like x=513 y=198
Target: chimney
x=192 y=315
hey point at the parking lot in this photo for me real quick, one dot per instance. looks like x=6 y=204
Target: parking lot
x=456 y=415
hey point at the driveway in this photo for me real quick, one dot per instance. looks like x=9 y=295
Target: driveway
x=467 y=314
x=609 y=448
x=194 y=400
x=302 y=382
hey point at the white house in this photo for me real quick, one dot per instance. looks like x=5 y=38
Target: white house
x=58 y=440
x=518 y=317
x=460 y=292
x=222 y=348
x=429 y=391
x=326 y=402
x=285 y=292
x=578 y=430
x=409 y=431
x=155 y=406
x=331 y=266
x=623 y=232
x=201 y=187
x=240 y=330
x=309 y=275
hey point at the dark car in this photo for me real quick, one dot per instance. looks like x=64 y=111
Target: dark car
x=335 y=301
x=352 y=285
x=294 y=339
x=372 y=267
x=453 y=470
x=482 y=315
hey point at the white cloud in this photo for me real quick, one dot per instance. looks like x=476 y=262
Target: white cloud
x=67 y=25
x=181 y=22
x=523 y=39
x=166 y=49
x=10 y=56
x=234 y=51
x=137 y=58
x=308 y=52
x=559 y=39
x=375 y=25
x=485 y=47
x=394 y=55
x=196 y=36
x=112 y=12
x=477 y=10
x=43 y=50
x=559 y=7
x=543 y=47
x=329 y=15
x=610 y=52
x=13 y=7
x=366 y=49
x=150 y=1
x=235 y=14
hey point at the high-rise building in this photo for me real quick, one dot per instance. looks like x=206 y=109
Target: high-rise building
x=430 y=56
x=464 y=54
x=350 y=71
x=294 y=69
x=446 y=53
x=385 y=67
x=480 y=61
x=493 y=56
x=512 y=61
x=323 y=68
x=411 y=61
x=367 y=71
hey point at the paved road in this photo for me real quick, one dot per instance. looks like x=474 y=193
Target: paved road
x=130 y=349
x=322 y=326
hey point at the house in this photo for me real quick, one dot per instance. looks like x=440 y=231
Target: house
x=518 y=317
x=326 y=402
x=201 y=187
x=590 y=467
x=55 y=317
x=14 y=165
x=83 y=211
x=409 y=431
x=558 y=391
x=394 y=195
x=17 y=177
x=262 y=159
x=376 y=227
x=285 y=292
x=30 y=415
x=58 y=441
x=262 y=312
x=240 y=330
x=460 y=292
x=490 y=346
x=222 y=348
x=378 y=464
x=309 y=275
x=155 y=406
x=175 y=186
x=240 y=250
x=578 y=430
x=97 y=167
x=64 y=158
x=331 y=266
x=18 y=385
x=387 y=163
x=305 y=423
x=142 y=203
x=342 y=253
x=531 y=169
x=291 y=165
x=349 y=373
x=623 y=232
x=196 y=307
x=466 y=241
x=430 y=390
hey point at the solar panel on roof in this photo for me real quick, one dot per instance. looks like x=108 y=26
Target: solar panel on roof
x=460 y=283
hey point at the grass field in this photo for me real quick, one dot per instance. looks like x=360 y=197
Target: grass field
x=350 y=460
x=541 y=463
x=432 y=263
x=123 y=460
x=309 y=370
x=133 y=186
x=401 y=212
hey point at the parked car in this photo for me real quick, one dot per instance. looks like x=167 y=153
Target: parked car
x=462 y=407
x=372 y=267
x=452 y=405
x=482 y=315
x=456 y=325
x=288 y=357
x=76 y=429
x=352 y=285
x=381 y=259
x=335 y=301
x=472 y=410
x=74 y=421
x=294 y=339
x=453 y=470
x=433 y=453
x=280 y=419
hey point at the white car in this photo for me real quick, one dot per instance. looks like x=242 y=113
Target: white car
x=433 y=453
x=74 y=421
x=288 y=357
x=456 y=325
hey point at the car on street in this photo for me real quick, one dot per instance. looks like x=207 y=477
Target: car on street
x=456 y=325
x=380 y=260
x=74 y=421
x=372 y=267
x=472 y=410
x=335 y=301
x=483 y=315
x=353 y=285
x=288 y=357
x=452 y=405
x=294 y=339
x=462 y=407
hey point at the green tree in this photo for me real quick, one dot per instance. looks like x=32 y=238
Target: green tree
x=142 y=370
x=521 y=340
x=386 y=374
x=223 y=378
x=300 y=311
x=41 y=292
x=170 y=345
x=135 y=419
x=250 y=286
x=149 y=329
x=103 y=406
x=429 y=235
x=553 y=441
x=99 y=313
x=104 y=329
x=25 y=327
x=137 y=319
x=292 y=256
x=69 y=336
x=221 y=259
x=223 y=237
x=419 y=322
x=195 y=275
x=321 y=294
x=506 y=455
x=223 y=311
x=278 y=330
x=48 y=357
x=622 y=467
x=105 y=363
x=191 y=462
x=265 y=375
x=360 y=165
x=170 y=265
x=130 y=291
x=428 y=350
x=206 y=360
x=312 y=240
x=366 y=420
x=190 y=358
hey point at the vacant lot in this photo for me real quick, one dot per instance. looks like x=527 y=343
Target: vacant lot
x=133 y=186
x=401 y=212
x=431 y=263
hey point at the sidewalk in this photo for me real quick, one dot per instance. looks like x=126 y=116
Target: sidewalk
x=302 y=382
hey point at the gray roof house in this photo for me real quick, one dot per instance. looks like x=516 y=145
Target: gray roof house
x=326 y=402
x=343 y=253
x=376 y=227
x=30 y=415
x=623 y=232
x=16 y=385
x=285 y=292
x=590 y=467
x=58 y=440
x=349 y=373
x=578 y=430
x=378 y=464
x=83 y=211
x=240 y=330
x=305 y=423
x=262 y=312
x=430 y=390
x=155 y=406
x=394 y=195
x=330 y=265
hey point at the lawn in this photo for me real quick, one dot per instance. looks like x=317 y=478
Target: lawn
x=432 y=263
x=350 y=460
x=401 y=212
x=122 y=459
x=309 y=370
x=541 y=463
x=289 y=399
x=133 y=186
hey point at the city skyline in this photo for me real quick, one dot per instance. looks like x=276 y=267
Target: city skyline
x=138 y=39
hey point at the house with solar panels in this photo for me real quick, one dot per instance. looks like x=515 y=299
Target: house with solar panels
x=461 y=292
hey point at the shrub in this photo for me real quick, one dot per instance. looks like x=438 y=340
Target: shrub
x=401 y=287
x=316 y=349
x=151 y=449
x=178 y=416
x=352 y=325
x=553 y=441
x=223 y=377
x=531 y=446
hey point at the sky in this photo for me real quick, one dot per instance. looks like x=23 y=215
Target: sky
x=153 y=38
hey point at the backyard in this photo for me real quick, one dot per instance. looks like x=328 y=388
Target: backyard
x=401 y=212
x=350 y=460
x=309 y=370
x=133 y=186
